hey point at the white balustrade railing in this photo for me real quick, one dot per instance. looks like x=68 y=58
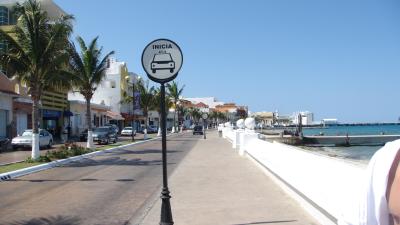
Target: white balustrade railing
x=331 y=184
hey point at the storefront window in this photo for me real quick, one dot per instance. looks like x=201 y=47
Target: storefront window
x=4 y=16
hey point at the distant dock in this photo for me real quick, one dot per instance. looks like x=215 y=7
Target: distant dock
x=350 y=140
x=344 y=140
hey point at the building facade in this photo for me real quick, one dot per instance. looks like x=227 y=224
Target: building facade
x=54 y=103
x=307 y=118
x=78 y=119
x=7 y=95
x=265 y=119
x=15 y=108
x=110 y=92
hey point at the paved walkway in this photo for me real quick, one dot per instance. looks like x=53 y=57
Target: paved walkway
x=214 y=186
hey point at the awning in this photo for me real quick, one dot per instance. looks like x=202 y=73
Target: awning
x=51 y=114
x=114 y=115
x=68 y=113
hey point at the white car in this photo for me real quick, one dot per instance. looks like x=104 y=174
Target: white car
x=25 y=140
x=127 y=131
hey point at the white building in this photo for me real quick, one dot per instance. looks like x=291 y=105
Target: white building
x=6 y=108
x=307 y=118
x=110 y=90
x=15 y=107
x=329 y=122
x=154 y=118
x=52 y=9
x=78 y=120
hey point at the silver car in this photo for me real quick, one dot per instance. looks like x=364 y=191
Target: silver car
x=25 y=140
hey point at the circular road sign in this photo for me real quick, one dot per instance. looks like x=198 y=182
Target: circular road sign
x=204 y=116
x=162 y=59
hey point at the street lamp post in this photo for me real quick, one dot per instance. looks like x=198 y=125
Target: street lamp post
x=204 y=116
x=163 y=73
x=133 y=111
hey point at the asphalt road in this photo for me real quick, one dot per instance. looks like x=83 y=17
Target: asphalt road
x=109 y=189
x=22 y=154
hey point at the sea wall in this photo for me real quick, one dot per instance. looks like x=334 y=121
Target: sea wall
x=328 y=185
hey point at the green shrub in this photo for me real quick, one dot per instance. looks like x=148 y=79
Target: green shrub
x=78 y=150
x=67 y=151
x=42 y=158
x=58 y=154
x=62 y=152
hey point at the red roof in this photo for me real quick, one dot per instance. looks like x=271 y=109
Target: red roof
x=201 y=105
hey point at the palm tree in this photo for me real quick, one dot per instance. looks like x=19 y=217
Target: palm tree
x=129 y=99
x=195 y=114
x=156 y=105
x=221 y=117
x=213 y=117
x=182 y=111
x=88 y=70
x=37 y=56
x=146 y=101
x=174 y=93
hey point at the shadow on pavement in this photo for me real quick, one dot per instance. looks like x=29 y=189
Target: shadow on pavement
x=127 y=152
x=267 y=222
x=59 y=180
x=114 y=161
x=54 y=220
x=184 y=140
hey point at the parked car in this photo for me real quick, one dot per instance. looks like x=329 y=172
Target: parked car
x=25 y=140
x=127 y=131
x=198 y=130
x=105 y=135
x=113 y=126
x=152 y=129
x=83 y=135
x=4 y=142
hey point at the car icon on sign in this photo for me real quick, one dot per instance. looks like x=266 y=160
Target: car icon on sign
x=162 y=61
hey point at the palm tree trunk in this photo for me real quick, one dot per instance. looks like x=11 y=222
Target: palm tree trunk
x=174 y=123
x=35 y=127
x=89 y=143
x=146 y=115
x=159 y=124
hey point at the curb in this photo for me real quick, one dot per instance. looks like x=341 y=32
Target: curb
x=25 y=171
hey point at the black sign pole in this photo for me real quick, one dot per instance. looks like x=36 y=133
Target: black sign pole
x=166 y=213
x=204 y=128
x=133 y=111
x=161 y=72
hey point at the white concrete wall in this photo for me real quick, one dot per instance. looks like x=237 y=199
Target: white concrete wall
x=331 y=184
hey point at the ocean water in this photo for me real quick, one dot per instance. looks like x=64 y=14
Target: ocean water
x=360 y=154
x=353 y=130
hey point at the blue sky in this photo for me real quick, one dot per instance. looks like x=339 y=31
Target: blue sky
x=338 y=58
